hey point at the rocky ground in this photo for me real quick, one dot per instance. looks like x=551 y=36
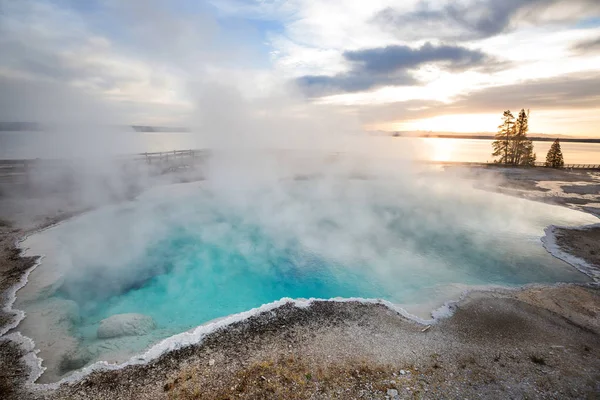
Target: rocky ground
x=541 y=342
x=12 y=370
x=582 y=243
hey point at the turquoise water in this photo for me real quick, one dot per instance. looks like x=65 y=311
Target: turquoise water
x=204 y=280
x=188 y=254
x=199 y=279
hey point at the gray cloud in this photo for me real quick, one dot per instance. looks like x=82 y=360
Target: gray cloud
x=355 y=81
x=475 y=19
x=392 y=58
x=588 y=46
x=51 y=69
x=54 y=56
x=391 y=65
x=574 y=91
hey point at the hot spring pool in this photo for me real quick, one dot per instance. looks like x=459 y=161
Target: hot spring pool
x=187 y=254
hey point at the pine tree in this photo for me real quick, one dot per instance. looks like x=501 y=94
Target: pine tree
x=502 y=140
x=522 y=147
x=528 y=157
x=511 y=143
x=554 y=158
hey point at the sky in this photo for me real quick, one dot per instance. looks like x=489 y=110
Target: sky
x=391 y=65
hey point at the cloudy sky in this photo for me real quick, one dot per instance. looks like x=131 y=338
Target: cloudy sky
x=393 y=65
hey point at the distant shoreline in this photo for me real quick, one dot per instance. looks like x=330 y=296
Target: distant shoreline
x=28 y=127
x=491 y=137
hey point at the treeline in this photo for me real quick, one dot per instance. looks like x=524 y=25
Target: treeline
x=512 y=146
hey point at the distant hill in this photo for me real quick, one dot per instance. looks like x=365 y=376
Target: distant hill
x=36 y=127
x=143 y=128
x=540 y=137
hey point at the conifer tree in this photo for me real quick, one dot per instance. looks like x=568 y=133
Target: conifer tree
x=522 y=146
x=528 y=156
x=511 y=144
x=554 y=158
x=502 y=140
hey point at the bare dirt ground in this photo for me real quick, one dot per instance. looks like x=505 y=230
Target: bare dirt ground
x=542 y=342
x=582 y=189
x=582 y=243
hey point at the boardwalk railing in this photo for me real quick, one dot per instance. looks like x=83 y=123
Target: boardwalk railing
x=572 y=166
x=167 y=161
x=502 y=165
x=161 y=156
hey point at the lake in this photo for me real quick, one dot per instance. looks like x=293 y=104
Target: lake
x=479 y=150
x=29 y=145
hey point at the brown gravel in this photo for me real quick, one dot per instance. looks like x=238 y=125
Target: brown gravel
x=13 y=372
x=12 y=267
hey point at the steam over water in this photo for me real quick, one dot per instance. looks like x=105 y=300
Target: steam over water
x=187 y=254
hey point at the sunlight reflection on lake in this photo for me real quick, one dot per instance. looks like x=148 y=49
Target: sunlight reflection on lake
x=29 y=145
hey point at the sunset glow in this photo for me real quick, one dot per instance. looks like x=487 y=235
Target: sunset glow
x=451 y=123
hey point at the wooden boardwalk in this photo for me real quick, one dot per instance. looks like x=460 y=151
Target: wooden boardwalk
x=168 y=161
x=573 y=166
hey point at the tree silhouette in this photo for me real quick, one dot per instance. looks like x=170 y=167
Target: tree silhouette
x=554 y=158
x=502 y=140
x=521 y=146
x=511 y=144
x=528 y=156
